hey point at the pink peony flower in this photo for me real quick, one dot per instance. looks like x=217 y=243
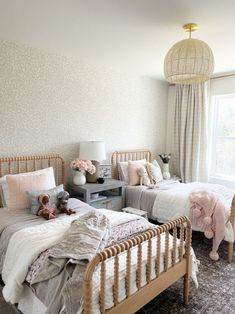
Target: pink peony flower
x=83 y=165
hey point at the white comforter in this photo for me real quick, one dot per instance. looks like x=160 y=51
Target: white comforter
x=173 y=203
x=26 y=244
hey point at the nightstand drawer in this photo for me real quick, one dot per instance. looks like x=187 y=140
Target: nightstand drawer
x=113 y=203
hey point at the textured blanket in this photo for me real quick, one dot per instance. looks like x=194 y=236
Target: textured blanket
x=27 y=244
x=86 y=236
x=208 y=213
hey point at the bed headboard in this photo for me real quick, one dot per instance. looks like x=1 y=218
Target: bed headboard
x=128 y=155
x=15 y=165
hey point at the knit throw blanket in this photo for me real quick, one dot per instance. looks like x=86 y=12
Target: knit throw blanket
x=208 y=213
x=86 y=236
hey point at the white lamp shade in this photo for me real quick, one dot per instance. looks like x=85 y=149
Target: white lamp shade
x=93 y=150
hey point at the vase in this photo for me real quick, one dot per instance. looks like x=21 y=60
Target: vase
x=166 y=173
x=79 y=178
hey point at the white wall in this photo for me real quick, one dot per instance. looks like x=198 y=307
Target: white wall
x=222 y=86
x=49 y=103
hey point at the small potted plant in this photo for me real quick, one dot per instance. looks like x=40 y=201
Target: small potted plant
x=165 y=159
x=80 y=167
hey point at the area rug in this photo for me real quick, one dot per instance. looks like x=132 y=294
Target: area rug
x=216 y=292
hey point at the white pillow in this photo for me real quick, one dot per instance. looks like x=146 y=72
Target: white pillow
x=123 y=169
x=154 y=172
x=4 y=191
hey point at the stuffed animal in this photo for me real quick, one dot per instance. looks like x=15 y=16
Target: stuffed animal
x=46 y=210
x=63 y=198
x=144 y=178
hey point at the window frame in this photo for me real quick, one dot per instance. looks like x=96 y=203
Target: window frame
x=214 y=176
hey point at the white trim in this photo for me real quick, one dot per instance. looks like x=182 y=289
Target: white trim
x=214 y=176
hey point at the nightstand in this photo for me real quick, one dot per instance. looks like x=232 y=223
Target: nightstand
x=109 y=195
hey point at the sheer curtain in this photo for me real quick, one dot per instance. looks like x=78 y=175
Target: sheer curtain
x=187 y=131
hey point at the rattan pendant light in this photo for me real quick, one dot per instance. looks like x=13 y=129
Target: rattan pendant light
x=189 y=61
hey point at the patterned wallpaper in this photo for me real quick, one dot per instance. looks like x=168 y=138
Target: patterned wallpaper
x=49 y=103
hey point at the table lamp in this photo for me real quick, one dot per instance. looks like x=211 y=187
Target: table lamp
x=94 y=151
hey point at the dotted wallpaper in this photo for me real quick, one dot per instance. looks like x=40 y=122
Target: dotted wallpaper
x=49 y=103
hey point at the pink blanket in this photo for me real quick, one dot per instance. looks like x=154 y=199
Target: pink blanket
x=208 y=213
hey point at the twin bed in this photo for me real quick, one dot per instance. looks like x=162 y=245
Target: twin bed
x=127 y=269
x=171 y=199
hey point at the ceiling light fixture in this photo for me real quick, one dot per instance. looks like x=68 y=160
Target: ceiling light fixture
x=189 y=61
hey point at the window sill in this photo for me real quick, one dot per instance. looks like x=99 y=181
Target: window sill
x=223 y=181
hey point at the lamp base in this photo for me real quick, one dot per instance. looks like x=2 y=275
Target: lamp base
x=92 y=178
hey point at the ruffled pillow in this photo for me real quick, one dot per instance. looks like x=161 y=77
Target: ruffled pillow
x=154 y=172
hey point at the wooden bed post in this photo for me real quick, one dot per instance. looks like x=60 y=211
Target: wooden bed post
x=232 y=220
x=172 y=269
x=87 y=284
x=189 y=262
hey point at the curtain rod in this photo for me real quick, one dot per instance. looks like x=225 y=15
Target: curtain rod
x=219 y=76
x=222 y=76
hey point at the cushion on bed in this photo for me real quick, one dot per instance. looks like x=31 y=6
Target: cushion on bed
x=154 y=172
x=133 y=171
x=18 y=185
x=4 y=193
x=33 y=197
x=123 y=169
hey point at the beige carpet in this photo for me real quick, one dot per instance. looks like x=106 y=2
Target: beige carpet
x=216 y=293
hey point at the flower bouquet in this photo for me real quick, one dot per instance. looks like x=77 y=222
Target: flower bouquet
x=165 y=158
x=80 y=166
x=83 y=165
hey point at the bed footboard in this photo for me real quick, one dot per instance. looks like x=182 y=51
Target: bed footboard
x=176 y=261
x=232 y=220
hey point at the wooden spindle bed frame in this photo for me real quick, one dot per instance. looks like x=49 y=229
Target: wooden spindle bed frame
x=180 y=264
x=170 y=274
x=118 y=156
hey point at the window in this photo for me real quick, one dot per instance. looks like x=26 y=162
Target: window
x=222 y=157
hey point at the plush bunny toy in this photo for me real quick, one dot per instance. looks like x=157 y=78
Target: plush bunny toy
x=63 y=198
x=144 y=178
x=46 y=210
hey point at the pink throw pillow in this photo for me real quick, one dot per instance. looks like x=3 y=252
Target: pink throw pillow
x=18 y=185
x=133 y=168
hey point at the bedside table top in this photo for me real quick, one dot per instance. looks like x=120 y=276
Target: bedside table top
x=96 y=187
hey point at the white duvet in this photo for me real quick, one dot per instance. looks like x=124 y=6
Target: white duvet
x=174 y=203
x=26 y=244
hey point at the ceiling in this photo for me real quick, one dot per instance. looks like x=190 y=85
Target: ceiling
x=127 y=35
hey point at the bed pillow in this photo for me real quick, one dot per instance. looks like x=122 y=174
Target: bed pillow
x=18 y=185
x=4 y=186
x=123 y=169
x=3 y=191
x=154 y=172
x=33 y=197
x=133 y=171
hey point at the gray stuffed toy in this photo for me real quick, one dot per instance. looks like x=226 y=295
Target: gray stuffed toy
x=63 y=198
